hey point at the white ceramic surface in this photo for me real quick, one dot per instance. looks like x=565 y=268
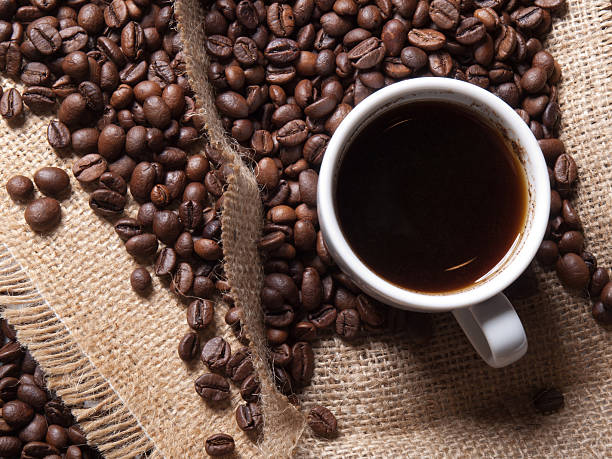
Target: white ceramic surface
x=485 y=315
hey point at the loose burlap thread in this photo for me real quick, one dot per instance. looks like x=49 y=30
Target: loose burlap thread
x=68 y=296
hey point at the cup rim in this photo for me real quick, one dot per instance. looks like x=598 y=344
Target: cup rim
x=379 y=287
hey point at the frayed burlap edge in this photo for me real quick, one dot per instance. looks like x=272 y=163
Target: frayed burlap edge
x=242 y=220
x=107 y=422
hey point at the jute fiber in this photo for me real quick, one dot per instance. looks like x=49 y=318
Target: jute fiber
x=68 y=295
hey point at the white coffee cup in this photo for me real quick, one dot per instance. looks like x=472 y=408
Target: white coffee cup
x=482 y=310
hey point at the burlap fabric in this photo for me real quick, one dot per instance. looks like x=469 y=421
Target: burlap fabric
x=68 y=295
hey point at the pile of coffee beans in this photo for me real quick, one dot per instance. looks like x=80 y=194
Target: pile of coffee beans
x=33 y=422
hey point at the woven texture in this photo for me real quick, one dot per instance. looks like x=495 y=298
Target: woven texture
x=99 y=340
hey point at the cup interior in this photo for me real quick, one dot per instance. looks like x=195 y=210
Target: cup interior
x=518 y=137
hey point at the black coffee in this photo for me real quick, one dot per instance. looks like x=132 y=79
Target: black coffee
x=430 y=197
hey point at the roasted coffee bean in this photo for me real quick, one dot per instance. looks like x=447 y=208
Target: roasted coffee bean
x=322 y=421
x=304 y=331
x=369 y=311
x=440 y=64
x=212 y=387
x=132 y=41
x=33 y=395
x=76 y=435
x=207 y=249
x=533 y=80
x=239 y=366
x=43 y=214
x=426 y=39
x=20 y=188
x=302 y=364
x=39 y=449
x=57 y=437
x=111 y=142
x=249 y=417
x=142 y=245
x=347 y=323
x=552 y=149
x=367 y=54
x=602 y=313
x=58 y=135
x=183 y=279
x=107 y=202
x=528 y=18
x=220 y=444
x=116 y=14
x=280 y=19
x=599 y=280
x=444 y=13
x=281 y=355
x=111 y=50
x=10 y=446
x=113 y=182
x=573 y=271
x=142 y=181
x=127 y=228
x=39 y=98
x=293 y=133
x=566 y=173
x=335 y=25
x=283 y=381
x=282 y=51
x=9 y=385
x=17 y=413
x=548 y=401
x=548 y=253
x=36 y=430
x=470 y=31
x=140 y=279
x=10 y=352
x=216 y=353
x=279 y=317
x=189 y=346
x=175 y=181
x=232 y=104
x=157 y=112
x=200 y=313
x=11 y=104
x=45 y=38
x=250 y=388
x=505 y=45
x=571 y=241
x=323 y=317
x=76 y=65
x=84 y=141
x=72 y=109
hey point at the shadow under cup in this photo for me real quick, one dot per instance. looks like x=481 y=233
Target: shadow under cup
x=519 y=139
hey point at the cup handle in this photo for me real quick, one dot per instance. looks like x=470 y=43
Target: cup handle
x=494 y=329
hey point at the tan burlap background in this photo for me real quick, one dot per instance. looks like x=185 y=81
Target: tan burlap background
x=101 y=342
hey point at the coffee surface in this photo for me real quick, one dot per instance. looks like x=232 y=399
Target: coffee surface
x=430 y=197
